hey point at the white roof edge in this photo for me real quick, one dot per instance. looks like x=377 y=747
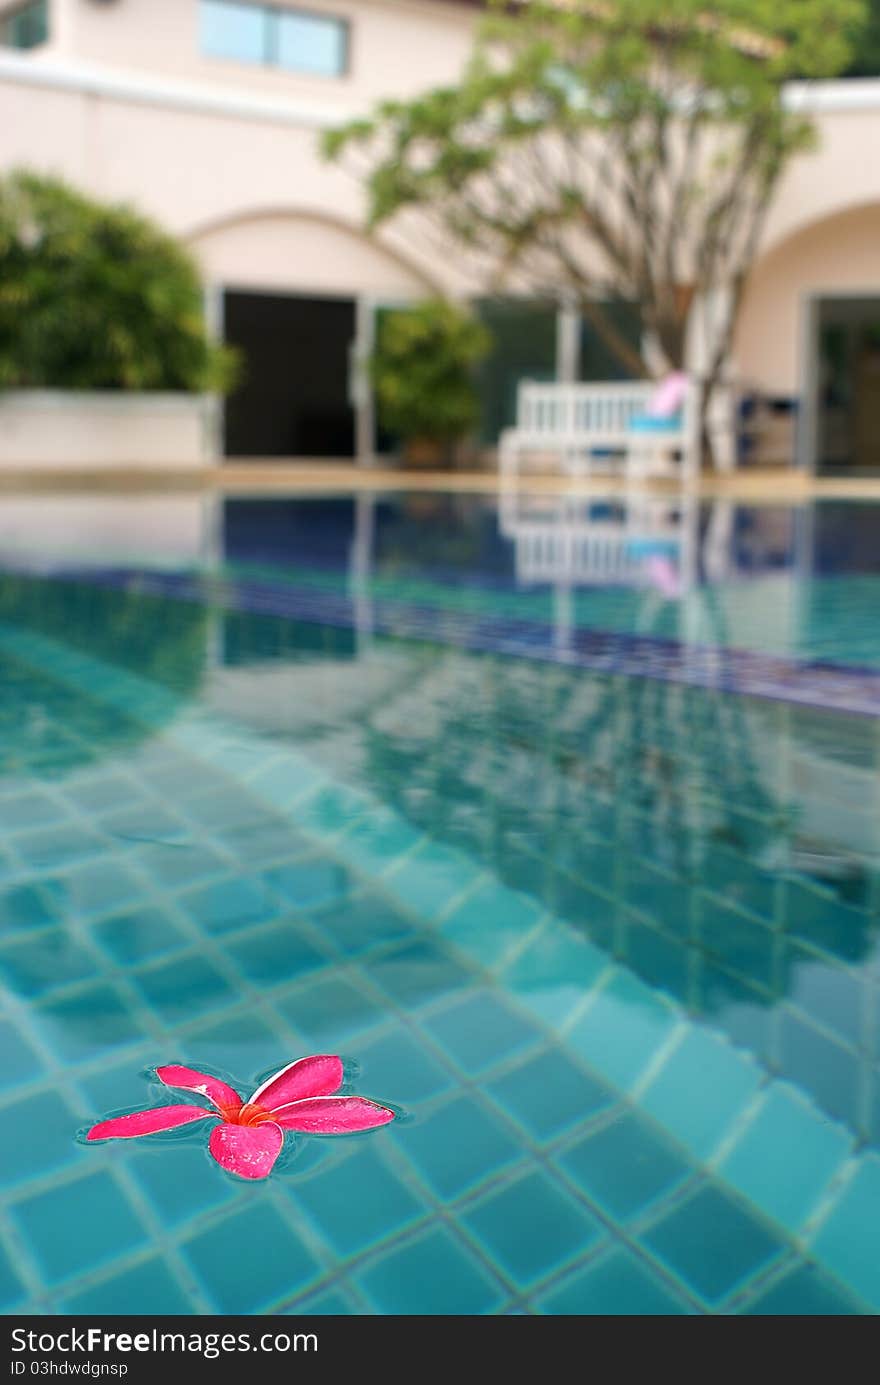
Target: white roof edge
x=850 y=94
x=124 y=85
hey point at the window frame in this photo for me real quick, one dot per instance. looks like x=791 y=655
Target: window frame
x=18 y=10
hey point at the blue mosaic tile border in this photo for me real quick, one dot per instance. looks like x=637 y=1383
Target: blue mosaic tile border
x=809 y=683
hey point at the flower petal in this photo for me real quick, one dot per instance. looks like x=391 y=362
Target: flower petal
x=222 y=1095
x=320 y=1075
x=147 y=1122
x=332 y=1115
x=247 y=1150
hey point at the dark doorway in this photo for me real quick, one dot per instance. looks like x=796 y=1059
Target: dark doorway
x=292 y=400
x=848 y=385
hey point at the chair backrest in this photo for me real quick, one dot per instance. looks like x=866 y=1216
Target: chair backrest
x=669 y=396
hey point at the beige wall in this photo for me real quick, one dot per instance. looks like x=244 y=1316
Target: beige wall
x=247 y=191
x=270 y=249
x=839 y=254
x=162 y=36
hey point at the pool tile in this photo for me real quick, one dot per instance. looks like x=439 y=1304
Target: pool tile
x=399 y=1062
x=660 y=960
x=549 y=1094
x=139 y=935
x=120 y=1085
x=330 y=1012
x=269 y=843
x=785 y=1157
x=230 y=904
x=418 y=973
x=250 y=1259
x=700 y=1090
x=658 y=894
x=20 y=1061
x=34 y=966
x=100 y=888
x=332 y=1303
x=831 y=995
x=480 y=1031
x=42 y=1130
x=591 y=915
x=12 y=1291
x=273 y=956
x=532 y=1227
x=357 y=1202
x=152 y=1282
x=330 y=810
x=429 y=879
x=825 y=1069
x=846 y=1240
x=183 y=867
x=180 y=1180
x=378 y=839
x=243 y=1045
x=739 y=942
x=31 y=810
x=431 y=1274
x=625 y=1166
x=364 y=921
x=617 y=1284
x=183 y=987
x=803 y=1292
x=740 y=881
x=53 y=847
x=490 y=922
x=457 y=1146
x=554 y=972
x=87 y=1025
x=309 y=883
x=79 y=1226
x=712 y=1243
x=98 y=793
x=23 y=906
x=623 y=1029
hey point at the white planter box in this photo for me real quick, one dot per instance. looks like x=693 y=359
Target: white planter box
x=104 y=429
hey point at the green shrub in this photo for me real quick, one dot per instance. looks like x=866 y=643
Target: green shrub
x=422 y=371
x=97 y=297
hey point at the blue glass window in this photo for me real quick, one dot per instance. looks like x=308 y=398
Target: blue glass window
x=240 y=32
x=312 y=43
x=26 y=27
x=291 y=39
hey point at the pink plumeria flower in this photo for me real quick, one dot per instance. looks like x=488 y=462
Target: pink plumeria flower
x=250 y=1135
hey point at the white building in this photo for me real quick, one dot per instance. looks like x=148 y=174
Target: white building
x=207 y=114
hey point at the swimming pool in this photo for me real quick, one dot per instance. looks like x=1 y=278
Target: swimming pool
x=558 y=818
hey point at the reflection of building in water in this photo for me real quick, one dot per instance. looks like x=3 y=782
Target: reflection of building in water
x=577 y=540
x=43 y=530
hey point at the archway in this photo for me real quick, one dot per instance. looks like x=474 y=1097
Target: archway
x=296 y=291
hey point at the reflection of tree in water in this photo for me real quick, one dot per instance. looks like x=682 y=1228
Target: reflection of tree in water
x=567 y=784
x=43 y=722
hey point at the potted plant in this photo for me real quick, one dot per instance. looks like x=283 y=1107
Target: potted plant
x=422 y=374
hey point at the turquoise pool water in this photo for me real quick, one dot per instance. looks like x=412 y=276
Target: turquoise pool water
x=573 y=852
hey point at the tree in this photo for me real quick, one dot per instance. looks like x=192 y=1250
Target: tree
x=865 y=58
x=422 y=371
x=97 y=297
x=609 y=150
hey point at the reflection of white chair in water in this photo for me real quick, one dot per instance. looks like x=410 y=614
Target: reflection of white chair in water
x=647 y=541
x=651 y=429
